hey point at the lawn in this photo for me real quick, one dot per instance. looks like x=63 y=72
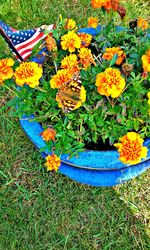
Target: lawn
x=45 y=211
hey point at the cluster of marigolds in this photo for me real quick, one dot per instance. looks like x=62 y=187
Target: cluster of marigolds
x=109 y=83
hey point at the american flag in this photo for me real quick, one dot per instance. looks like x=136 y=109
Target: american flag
x=25 y=40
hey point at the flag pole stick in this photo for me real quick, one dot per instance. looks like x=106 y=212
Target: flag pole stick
x=9 y=42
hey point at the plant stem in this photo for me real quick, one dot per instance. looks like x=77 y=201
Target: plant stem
x=111 y=102
x=40 y=89
x=55 y=66
x=10 y=90
x=122 y=92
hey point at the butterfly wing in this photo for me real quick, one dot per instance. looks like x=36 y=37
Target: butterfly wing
x=68 y=94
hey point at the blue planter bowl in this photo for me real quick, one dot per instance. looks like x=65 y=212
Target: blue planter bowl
x=95 y=168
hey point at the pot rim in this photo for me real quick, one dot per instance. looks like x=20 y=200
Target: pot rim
x=26 y=127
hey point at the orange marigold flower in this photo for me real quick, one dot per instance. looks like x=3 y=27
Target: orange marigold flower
x=110 y=52
x=97 y=3
x=85 y=39
x=52 y=162
x=70 y=62
x=93 y=22
x=48 y=134
x=107 y=4
x=6 y=71
x=28 y=73
x=70 y=41
x=61 y=77
x=142 y=23
x=111 y=4
x=70 y=24
x=146 y=61
x=86 y=57
x=110 y=82
x=131 y=148
x=51 y=44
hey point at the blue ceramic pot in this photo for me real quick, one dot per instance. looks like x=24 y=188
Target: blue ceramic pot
x=96 y=168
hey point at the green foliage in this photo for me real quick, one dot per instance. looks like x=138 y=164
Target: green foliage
x=100 y=118
x=45 y=211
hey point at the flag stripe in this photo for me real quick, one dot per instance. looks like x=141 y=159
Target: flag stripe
x=31 y=44
x=36 y=34
x=26 y=51
x=25 y=40
x=25 y=56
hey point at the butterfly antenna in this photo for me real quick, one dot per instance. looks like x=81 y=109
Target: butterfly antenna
x=11 y=45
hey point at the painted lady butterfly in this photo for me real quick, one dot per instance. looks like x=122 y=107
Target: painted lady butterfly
x=68 y=94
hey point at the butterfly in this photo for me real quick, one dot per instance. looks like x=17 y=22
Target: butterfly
x=68 y=94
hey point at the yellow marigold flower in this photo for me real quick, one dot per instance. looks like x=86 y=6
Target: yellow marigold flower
x=61 y=77
x=48 y=134
x=51 y=44
x=70 y=24
x=60 y=17
x=86 y=57
x=142 y=23
x=52 y=162
x=28 y=73
x=110 y=83
x=93 y=22
x=70 y=62
x=110 y=52
x=146 y=61
x=131 y=148
x=6 y=71
x=82 y=98
x=148 y=98
x=85 y=39
x=70 y=41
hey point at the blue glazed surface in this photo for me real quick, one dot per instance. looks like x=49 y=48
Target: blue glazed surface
x=108 y=170
x=96 y=168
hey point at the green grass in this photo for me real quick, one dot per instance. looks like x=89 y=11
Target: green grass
x=43 y=211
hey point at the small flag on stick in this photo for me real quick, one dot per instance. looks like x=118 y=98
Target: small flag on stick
x=22 y=42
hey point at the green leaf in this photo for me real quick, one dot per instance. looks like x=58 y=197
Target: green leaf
x=134 y=55
x=113 y=60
